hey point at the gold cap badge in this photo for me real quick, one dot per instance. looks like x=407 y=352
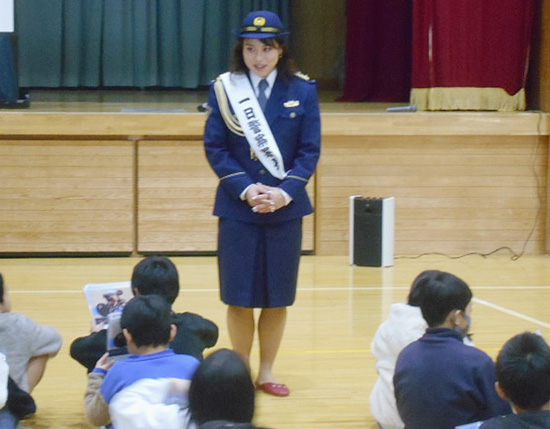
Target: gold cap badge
x=259 y=21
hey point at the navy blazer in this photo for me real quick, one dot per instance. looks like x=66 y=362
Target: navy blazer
x=297 y=130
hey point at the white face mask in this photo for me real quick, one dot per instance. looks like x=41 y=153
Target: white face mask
x=463 y=331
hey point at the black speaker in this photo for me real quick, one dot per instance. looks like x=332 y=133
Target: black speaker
x=372 y=231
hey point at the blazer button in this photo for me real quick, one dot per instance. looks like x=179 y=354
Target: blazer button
x=293 y=114
x=262 y=172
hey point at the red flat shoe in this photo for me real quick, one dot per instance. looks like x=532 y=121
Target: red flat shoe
x=274 y=389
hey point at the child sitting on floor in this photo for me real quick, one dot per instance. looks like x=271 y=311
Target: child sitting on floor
x=146 y=324
x=27 y=346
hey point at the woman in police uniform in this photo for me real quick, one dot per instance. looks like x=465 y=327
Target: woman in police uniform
x=260 y=209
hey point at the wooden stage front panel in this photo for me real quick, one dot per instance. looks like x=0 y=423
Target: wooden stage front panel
x=66 y=196
x=453 y=194
x=176 y=190
x=127 y=182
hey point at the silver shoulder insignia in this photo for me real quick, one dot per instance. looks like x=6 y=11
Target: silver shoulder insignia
x=291 y=103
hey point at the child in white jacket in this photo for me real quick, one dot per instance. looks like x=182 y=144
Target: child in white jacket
x=404 y=325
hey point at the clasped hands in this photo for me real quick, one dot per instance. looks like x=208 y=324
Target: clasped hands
x=264 y=199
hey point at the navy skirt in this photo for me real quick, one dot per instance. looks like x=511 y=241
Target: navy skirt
x=258 y=263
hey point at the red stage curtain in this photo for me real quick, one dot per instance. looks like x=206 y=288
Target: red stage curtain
x=378 y=50
x=471 y=54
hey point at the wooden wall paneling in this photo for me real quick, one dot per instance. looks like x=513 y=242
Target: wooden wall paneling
x=472 y=172
x=175 y=197
x=100 y=125
x=454 y=194
x=435 y=124
x=66 y=196
x=190 y=126
x=176 y=190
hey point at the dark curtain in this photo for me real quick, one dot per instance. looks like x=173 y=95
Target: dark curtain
x=131 y=43
x=378 y=50
x=472 y=43
x=8 y=77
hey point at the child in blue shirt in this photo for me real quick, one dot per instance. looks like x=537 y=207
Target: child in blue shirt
x=147 y=328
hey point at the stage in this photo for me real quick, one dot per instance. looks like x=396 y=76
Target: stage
x=124 y=172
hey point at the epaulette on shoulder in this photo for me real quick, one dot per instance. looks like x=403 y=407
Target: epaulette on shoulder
x=301 y=75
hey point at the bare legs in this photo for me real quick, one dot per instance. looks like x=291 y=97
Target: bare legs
x=271 y=325
x=240 y=323
x=270 y=331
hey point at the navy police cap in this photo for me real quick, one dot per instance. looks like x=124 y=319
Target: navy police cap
x=261 y=24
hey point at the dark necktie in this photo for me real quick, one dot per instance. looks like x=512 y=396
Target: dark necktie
x=262 y=99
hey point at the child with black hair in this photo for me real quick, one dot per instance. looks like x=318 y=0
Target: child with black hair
x=222 y=390
x=147 y=326
x=439 y=381
x=221 y=395
x=154 y=275
x=404 y=325
x=523 y=378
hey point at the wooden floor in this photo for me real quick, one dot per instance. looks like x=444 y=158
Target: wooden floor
x=324 y=357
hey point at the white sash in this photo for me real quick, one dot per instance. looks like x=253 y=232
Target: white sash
x=253 y=122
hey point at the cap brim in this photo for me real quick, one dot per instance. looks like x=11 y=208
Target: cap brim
x=257 y=35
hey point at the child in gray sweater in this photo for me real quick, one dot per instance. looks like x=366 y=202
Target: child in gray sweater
x=26 y=344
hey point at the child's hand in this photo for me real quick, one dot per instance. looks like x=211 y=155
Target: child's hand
x=104 y=362
x=98 y=327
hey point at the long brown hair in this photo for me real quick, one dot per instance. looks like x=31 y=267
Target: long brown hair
x=285 y=66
